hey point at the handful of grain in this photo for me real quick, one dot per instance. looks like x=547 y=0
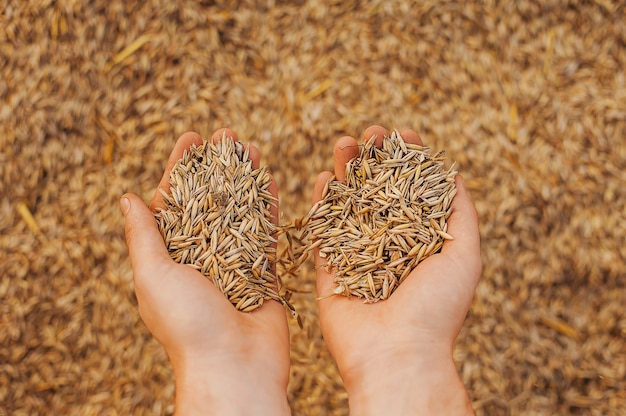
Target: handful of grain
x=217 y=220
x=389 y=215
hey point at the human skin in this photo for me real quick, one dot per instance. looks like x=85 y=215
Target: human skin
x=395 y=356
x=225 y=362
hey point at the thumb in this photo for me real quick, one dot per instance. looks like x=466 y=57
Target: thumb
x=325 y=281
x=463 y=225
x=145 y=243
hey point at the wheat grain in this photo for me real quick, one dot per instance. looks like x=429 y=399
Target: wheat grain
x=388 y=216
x=217 y=220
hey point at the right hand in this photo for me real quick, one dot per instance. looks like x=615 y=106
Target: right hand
x=395 y=356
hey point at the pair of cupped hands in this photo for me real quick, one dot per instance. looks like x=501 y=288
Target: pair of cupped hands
x=394 y=356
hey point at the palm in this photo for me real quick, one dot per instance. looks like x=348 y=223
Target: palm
x=425 y=310
x=425 y=314
x=191 y=318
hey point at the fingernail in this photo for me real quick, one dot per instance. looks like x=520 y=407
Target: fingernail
x=124 y=205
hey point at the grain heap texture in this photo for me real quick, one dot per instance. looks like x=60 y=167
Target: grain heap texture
x=527 y=97
x=217 y=219
x=390 y=214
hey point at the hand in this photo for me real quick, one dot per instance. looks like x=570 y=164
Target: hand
x=395 y=356
x=225 y=361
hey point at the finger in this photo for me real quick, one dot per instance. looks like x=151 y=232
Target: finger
x=324 y=278
x=222 y=133
x=145 y=243
x=375 y=130
x=320 y=184
x=254 y=156
x=253 y=153
x=463 y=226
x=183 y=143
x=410 y=136
x=274 y=208
x=345 y=150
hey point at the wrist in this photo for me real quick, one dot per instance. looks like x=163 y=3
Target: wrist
x=218 y=389
x=428 y=385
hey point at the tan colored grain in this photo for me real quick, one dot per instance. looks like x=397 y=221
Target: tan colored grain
x=363 y=227
x=215 y=198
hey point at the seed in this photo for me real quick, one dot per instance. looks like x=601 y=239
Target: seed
x=445 y=235
x=415 y=250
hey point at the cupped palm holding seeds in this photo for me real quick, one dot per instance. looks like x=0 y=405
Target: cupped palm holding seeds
x=395 y=356
x=217 y=219
x=224 y=361
x=388 y=214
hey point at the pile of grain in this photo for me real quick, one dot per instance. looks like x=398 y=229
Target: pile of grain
x=389 y=214
x=217 y=219
x=527 y=97
x=373 y=229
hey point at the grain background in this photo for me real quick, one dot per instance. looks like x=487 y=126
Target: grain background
x=528 y=97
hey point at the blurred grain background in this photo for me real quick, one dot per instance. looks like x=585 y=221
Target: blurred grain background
x=529 y=97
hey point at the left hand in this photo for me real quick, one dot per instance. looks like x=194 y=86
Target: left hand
x=225 y=361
